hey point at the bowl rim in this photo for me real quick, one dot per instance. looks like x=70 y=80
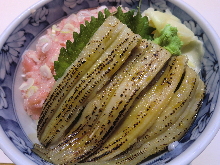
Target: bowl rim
x=213 y=126
x=16 y=157
x=184 y=158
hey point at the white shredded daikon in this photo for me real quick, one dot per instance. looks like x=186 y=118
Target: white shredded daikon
x=31 y=91
x=45 y=43
x=68 y=28
x=27 y=84
x=45 y=71
x=33 y=57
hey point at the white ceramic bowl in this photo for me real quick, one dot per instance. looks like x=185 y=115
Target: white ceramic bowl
x=17 y=132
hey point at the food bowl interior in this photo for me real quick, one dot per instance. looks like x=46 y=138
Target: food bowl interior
x=19 y=130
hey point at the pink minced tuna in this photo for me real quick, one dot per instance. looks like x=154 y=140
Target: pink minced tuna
x=38 y=65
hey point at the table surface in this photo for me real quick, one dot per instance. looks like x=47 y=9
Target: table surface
x=208 y=9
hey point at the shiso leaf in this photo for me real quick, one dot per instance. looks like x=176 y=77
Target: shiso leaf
x=136 y=23
x=68 y=55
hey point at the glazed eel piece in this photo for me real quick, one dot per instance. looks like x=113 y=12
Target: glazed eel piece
x=96 y=106
x=88 y=85
x=144 y=112
x=78 y=146
x=97 y=45
x=170 y=126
